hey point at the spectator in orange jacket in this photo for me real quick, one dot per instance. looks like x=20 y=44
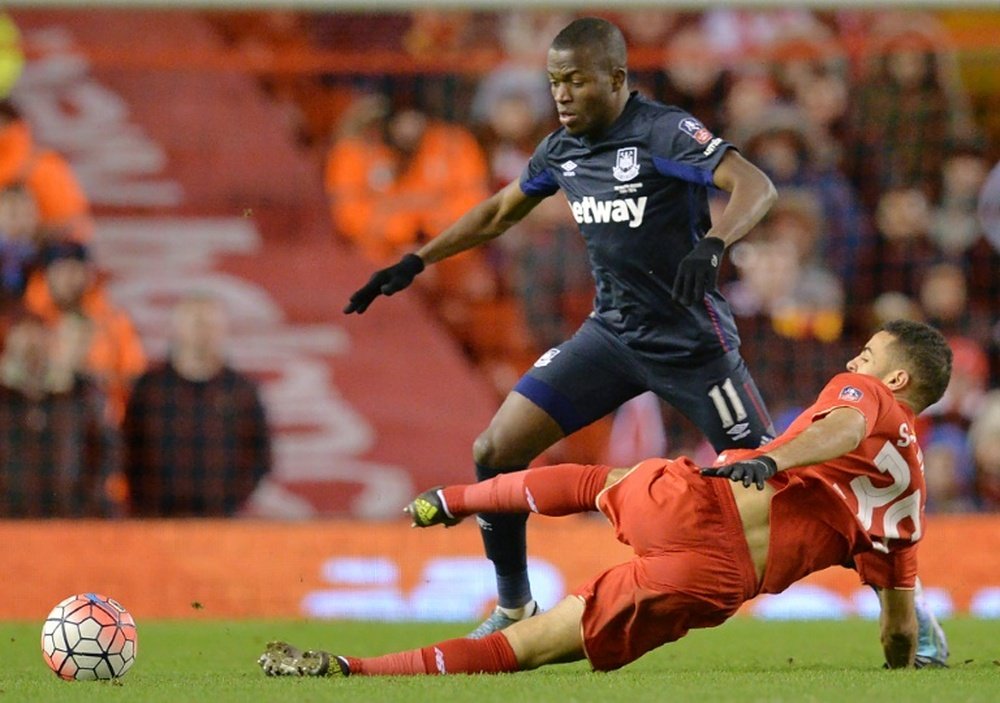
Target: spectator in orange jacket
x=394 y=180
x=69 y=293
x=63 y=208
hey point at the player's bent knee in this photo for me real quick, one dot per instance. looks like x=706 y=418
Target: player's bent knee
x=484 y=454
x=519 y=432
x=502 y=450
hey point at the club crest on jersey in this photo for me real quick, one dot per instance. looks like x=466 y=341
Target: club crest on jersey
x=695 y=129
x=626 y=163
x=851 y=393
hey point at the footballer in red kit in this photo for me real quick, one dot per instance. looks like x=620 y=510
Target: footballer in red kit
x=872 y=496
x=842 y=486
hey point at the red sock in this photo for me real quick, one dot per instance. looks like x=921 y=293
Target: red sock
x=489 y=655
x=551 y=490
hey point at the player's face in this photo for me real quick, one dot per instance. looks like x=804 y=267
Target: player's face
x=584 y=89
x=876 y=359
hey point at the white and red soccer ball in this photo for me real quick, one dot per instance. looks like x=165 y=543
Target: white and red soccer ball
x=89 y=636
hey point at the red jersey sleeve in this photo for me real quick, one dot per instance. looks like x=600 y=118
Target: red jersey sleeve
x=850 y=390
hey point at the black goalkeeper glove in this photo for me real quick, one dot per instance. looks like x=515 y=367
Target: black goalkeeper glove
x=386 y=282
x=756 y=470
x=698 y=272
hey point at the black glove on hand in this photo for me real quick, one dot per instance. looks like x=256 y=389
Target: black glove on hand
x=698 y=272
x=386 y=282
x=756 y=470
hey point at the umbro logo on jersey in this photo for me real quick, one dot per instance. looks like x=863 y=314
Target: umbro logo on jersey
x=695 y=129
x=569 y=167
x=591 y=210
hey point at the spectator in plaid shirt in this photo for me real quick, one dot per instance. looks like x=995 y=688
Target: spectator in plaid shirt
x=196 y=435
x=57 y=451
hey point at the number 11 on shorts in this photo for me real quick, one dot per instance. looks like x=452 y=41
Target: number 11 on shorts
x=719 y=396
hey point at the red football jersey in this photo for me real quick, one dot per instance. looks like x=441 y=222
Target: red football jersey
x=866 y=506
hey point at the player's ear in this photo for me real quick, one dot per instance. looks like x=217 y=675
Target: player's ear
x=897 y=380
x=619 y=76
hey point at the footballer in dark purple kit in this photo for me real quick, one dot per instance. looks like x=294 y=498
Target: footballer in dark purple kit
x=637 y=175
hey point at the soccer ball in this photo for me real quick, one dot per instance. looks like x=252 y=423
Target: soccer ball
x=89 y=636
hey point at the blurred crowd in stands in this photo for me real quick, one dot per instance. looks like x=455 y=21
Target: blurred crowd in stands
x=879 y=153
x=88 y=426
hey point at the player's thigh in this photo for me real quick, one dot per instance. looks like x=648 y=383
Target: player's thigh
x=721 y=399
x=553 y=637
x=583 y=379
x=635 y=607
x=519 y=431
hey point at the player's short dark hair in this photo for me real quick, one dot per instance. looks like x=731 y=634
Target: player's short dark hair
x=927 y=354
x=596 y=34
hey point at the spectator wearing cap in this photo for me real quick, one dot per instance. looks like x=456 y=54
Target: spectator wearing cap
x=69 y=293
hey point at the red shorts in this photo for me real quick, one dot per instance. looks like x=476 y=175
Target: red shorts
x=692 y=566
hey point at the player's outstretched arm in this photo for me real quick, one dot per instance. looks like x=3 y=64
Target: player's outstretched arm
x=751 y=196
x=490 y=218
x=483 y=222
x=829 y=437
x=898 y=625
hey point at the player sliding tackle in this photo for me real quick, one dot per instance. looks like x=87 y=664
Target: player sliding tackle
x=844 y=484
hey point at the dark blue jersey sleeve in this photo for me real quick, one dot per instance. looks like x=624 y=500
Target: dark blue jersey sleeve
x=682 y=147
x=537 y=179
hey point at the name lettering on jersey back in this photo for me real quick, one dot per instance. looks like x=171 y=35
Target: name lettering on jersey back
x=906 y=437
x=590 y=210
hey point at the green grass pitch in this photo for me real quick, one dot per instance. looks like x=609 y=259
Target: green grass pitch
x=745 y=660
